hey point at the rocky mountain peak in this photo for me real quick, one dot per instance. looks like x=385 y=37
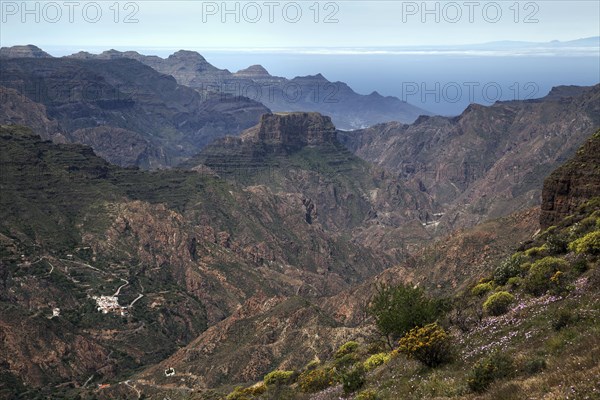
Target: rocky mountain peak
x=27 y=51
x=188 y=55
x=253 y=71
x=558 y=92
x=294 y=130
x=311 y=78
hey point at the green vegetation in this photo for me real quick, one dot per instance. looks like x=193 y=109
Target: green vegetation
x=376 y=360
x=488 y=370
x=498 y=303
x=482 y=288
x=278 y=377
x=588 y=244
x=401 y=308
x=539 y=279
x=509 y=268
x=429 y=344
x=550 y=345
x=353 y=379
x=346 y=349
x=316 y=380
x=367 y=395
x=242 y=393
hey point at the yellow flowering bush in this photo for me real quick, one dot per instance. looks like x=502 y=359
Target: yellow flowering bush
x=316 y=380
x=429 y=344
x=346 y=348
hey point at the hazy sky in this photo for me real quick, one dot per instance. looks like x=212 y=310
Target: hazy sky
x=284 y=24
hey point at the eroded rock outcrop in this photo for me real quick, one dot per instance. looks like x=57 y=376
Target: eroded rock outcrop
x=573 y=184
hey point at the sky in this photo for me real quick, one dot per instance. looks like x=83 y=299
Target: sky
x=290 y=24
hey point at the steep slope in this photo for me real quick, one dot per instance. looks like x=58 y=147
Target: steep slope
x=165 y=254
x=264 y=334
x=348 y=109
x=573 y=184
x=299 y=154
x=16 y=109
x=489 y=161
x=126 y=105
x=542 y=342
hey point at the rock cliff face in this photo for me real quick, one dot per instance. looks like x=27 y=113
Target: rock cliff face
x=293 y=131
x=572 y=184
x=17 y=109
x=298 y=154
x=489 y=161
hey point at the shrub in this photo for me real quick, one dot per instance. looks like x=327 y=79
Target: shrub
x=376 y=360
x=538 y=280
x=488 y=370
x=498 y=303
x=376 y=347
x=345 y=361
x=557 y=243
x=515 y=281
x=579 y=266
x=241 y=393
x=536 y=251
x=237 y=394
x=482 y=289
x=278 y=377
x=429 y=344
x=399 y=309
x=466 y=312
x=346 y=348
x=312 y=365
x=508 y=268
x=534 y=365
x=353 y=379
x=316 y=380
x=367 y=395
x=588 y=244
x=562 y=319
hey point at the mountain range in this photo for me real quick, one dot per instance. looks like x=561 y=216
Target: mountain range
x=348 y=109
x=487 y=162
x=159 y=239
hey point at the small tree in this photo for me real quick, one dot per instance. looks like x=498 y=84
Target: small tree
x=401 y=308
